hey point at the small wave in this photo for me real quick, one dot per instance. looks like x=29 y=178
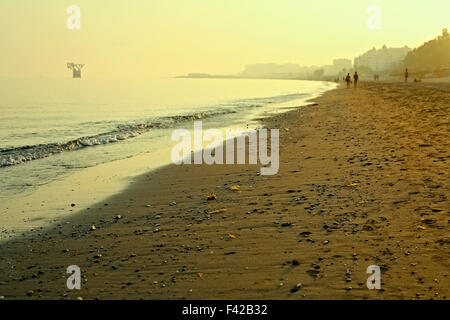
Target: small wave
x=18 y=155
x=273 y=99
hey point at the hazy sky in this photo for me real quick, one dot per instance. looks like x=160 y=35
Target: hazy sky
x=154 y=38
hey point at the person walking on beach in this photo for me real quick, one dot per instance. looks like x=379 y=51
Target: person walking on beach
x=348 y=79
x=355 y=78
x=406 y=75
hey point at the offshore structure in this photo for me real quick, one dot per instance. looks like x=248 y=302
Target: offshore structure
x=76 y=69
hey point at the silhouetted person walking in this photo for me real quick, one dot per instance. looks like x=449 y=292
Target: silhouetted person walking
x=406 y=75
x=355 y=78
x=348 y=79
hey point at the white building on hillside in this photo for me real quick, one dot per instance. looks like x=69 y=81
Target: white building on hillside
x=382 y=59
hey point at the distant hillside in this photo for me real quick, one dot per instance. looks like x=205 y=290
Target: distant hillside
x=432 y=55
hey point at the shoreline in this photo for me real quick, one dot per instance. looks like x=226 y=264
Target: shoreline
x=350 y=169
x=35 y=209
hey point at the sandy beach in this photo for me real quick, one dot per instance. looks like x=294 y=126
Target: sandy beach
x=363 y=180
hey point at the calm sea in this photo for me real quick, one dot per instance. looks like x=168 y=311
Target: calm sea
x=51 y=129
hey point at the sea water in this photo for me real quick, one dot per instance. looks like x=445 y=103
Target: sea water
x=79 y=140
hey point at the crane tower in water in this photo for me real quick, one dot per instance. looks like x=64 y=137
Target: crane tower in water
x=76 y=69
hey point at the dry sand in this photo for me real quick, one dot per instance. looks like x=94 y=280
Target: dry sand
x=363 y=180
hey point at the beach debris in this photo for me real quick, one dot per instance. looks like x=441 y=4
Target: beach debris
x=421 y=227
x=173 y=203
x=348 y=275
x=286 y=129
x=66 y=250
x=231 y=236
x=326 y=242
x=73 y=205
x=352 y=185
x=296 y=288
x=148 y=205
x=295 y=262
x=234 y=188
x=217 y=211
x=118 y=217
x=428 y=221
x=97 y=256
x=211 y=196
x=93 y=228
x=313 y=272
x=30 y=293
x=79 y=298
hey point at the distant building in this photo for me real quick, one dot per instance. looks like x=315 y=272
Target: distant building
x=295 y=71
x=341 y=64
x=382 y=59
x=338 y=66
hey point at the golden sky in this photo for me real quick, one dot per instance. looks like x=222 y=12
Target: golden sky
x=160 y=38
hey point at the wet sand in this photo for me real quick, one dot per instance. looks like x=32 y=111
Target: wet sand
x=363 y=180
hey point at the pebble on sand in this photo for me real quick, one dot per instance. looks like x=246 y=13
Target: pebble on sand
x=217 y=211
x=211 y=196
x=296 y=287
